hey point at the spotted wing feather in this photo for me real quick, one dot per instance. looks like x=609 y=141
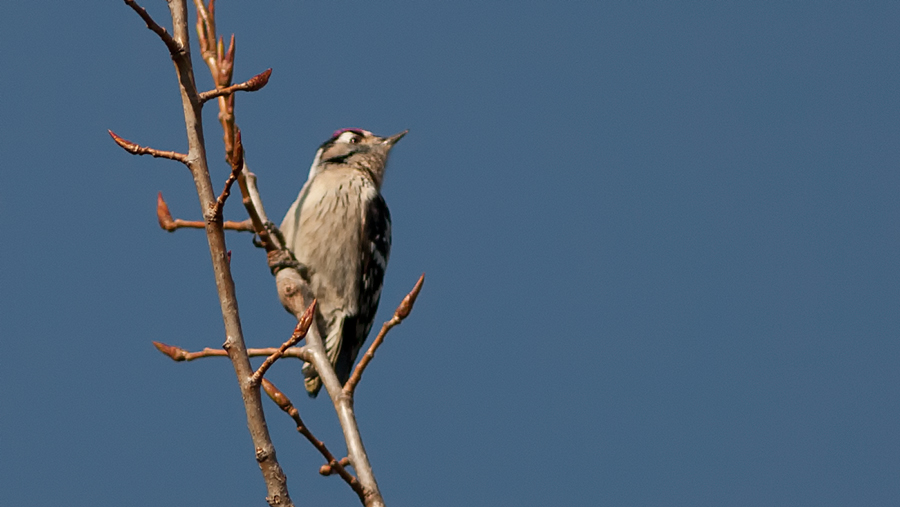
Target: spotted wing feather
x=375 y=251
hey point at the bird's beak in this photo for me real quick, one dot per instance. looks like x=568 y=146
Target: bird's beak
x=391 y=141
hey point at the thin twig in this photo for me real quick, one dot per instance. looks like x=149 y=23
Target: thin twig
x=245 y=226
x=237 y=164
x=206 y=28
x=253 y=205
x=175 y=48
x=334 y=465
x=400 y=313
x=327 y=470
x=179 y=354
x=221 y=67
x=250 y=85
x=171 y=224
x=136 y=149
x=299 y=334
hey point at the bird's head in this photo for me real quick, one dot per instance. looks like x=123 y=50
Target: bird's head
x=357 y=148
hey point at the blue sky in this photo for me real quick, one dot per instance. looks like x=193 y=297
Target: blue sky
x=660 y=239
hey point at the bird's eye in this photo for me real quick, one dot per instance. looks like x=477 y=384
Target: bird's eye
x=354 y=139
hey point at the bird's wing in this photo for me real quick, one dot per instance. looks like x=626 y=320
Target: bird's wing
x=375 y=250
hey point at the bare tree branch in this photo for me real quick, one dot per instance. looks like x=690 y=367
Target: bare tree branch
x=253 y=204
x=251 y=85
x=221 y=67
x=334 y=465
x=400 y=313
x=175 y=47
x=327 y=470
x=237 y=163
x=293 y=290
x=206 y=28
x=178 y=45
x=136 y=149
x=179 y=354
x=168 y=223
x=299 y=333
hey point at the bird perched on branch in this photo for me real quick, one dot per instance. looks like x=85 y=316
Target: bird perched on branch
x=339 y=229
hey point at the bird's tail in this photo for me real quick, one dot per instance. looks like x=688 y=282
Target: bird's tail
x=311 y=380
x=333 y=346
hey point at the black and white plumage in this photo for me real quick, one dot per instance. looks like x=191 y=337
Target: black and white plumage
x=339 y=228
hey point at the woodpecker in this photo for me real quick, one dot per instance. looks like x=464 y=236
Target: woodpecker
x=339 y=229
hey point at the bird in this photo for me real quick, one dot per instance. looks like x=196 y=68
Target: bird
x=339 y=230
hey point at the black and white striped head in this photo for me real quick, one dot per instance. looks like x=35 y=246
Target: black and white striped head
x=358 y=148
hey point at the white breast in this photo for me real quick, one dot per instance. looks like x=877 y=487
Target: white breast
x=328 y=237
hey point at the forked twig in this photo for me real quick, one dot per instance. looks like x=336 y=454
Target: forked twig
x=287 y=349
x=293 y=289
x=334 y=465
x=299 y=334
x=327 y=470
x=164 y=216
x=178 y=45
